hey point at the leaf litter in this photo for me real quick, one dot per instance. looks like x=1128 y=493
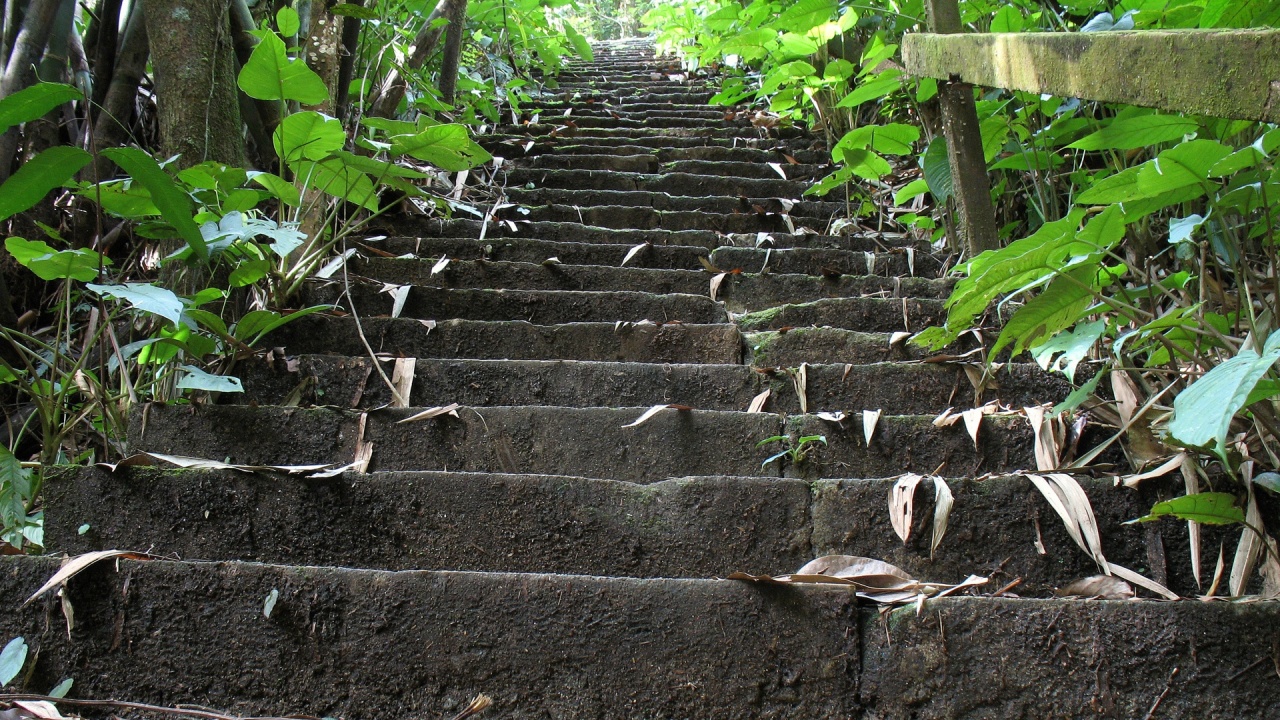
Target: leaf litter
x=873 y=580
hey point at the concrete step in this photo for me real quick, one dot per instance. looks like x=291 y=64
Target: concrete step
x=895 y=388
x=674 y=183
x=863 y=314
x=753 y=169
x=633 y=217
x=540 y=307
x=682 y=527
x=791 y=347
x=739 y=292
x=723 y=152
x=590 y=442
x=672 y=203
x=830 y=262
x=527 y=250
x=365 y=644
x=513 y=339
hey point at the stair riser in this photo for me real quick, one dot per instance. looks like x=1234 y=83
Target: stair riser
x=536 y=251
x=690 y=527
x=880 y=315
x=631 y=217
x=533 y=306
x=364 y=644
x=514 y=340
x=673 y=183
x=670 y=203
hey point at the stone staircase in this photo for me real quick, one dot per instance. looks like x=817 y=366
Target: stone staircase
x=538 y=548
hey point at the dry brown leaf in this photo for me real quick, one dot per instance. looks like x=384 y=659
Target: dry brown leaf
x=42 y=709
x=633 y=252
x=654 y=411
x=1098 y=587
x=450 y=409
x=872 y=579
x=757 y=402
x=399 y=294
x=943 y=501
x=869 y=420
x=800 y=378
x=73 y=566
x=898 y=337
x=1217 y=571
x=973 y=423
x=848 y=368
x=945 y=419
x=1191 y=480
x=777 y=167
x=1045 y=450
x=870 y=258
x=1248 y=549
x=715 y=283
x=911 y=261
x=1067 y=498
x=1125 y=573
x=1127 y=395
x=146 y=459
x=1167 y=467
x=901 y=502
x=402 y=380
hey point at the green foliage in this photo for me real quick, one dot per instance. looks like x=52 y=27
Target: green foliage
x=12 y=658
x=795 y=450
x=1210 y=508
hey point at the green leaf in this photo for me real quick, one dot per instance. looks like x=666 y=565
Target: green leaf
x=1050 y=312
x=1136 y=132
x=1210 y=508
x=334 y=177
x=254 y=325
x=1006 y=20
x=890 y=139
x=804 y=15
x=49 y=264
x=911 y=191
x=881 y=85
x=175 y=205
x=34 y=102
x=785 y=73
x=270 y=74
x=61 y=689
x=1237 y=13
x=791 y=45
x=1268 y=480
x=286 y=191
x=937 y=169
x=448 y=147
x=12 y=658
x=866 y=164
x=145 y=297
x=308 y=135
x=1203 y=412
x=580 y=43
x=36 y=177
x=1079 y=395
x=1029 y=160
x=352 y=10
x=287 y=21
x=1180 y=229
x=1064 y=351
x=196 y=379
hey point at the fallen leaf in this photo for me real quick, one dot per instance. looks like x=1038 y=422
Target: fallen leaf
x=715 y=283
x=848 y=368
x=901 y=501
x=402 y=381
x=800 y=378
x=1046 y=451
x=835 y=417
x=1133 y=577
x=911 y=262
x=399 y=294
x=1098 y=587
x=334 y=265
x=42 y=709
x=777 y=167
x=364 y=448
x=943 y=501
x=149 y=458
x=870 y=261
x=946 y=419
x=1067 y=498
x=1191 y=480
x=972 y=423
x=898 y=337
x=551 y=261
x=757 y=402
x=654 y=411
x=633 y=252
x=77 y=564
x=450 y=409
x=873 y=580
x=1165 y=468
x=1127 y=400
x=1248 y=549
x=707 y=265
x=869 y=420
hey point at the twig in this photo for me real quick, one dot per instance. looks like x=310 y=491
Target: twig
x=1168 y=685
x=13 y=697
x=377 y=364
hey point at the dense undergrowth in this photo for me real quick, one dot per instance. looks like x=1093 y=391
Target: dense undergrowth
x=1138 y=244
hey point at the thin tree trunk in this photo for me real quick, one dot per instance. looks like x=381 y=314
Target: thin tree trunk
x=393 y=87
x=452 y=50
x=322 y=43
x=20 y=72
x=104 y=37
x=261 y=116
x=347 y=64
x=195 y=80
x=111 y=128
x=8 y=318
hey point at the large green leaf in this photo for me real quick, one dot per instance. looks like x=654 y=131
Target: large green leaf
x=890 y=139
x=146 y=297
x=1136 y=132
x=937 y=169
x=804 y=15
x=270 y=74
x=174 y=204
x=49 y=264
x=14 y=655
x=308 y=136
x=254 y=325
x=1238 y=13
x=1202 y=413
x=1210 y=508
x=1050 y=312
x=448 y=147
x=35 y=178
x=335 y=177
x=194 y=378
x=580 y=43
x=34 y=102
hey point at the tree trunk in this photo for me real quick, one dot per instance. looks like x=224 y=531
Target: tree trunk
x=104 y=40
x=347 y=65
x=322 y=44
x=20 y=72
x=452 y=50
x=195 y=78
x=111 y=128
x=261 y=116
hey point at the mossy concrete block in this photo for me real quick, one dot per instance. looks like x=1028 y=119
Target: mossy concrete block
x=1222 y=73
